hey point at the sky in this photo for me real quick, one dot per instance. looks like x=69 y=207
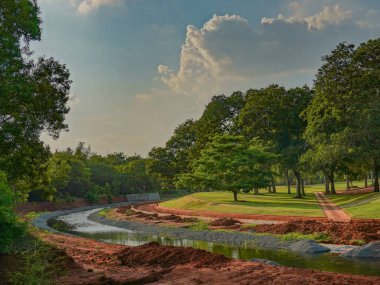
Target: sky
x=142 y=67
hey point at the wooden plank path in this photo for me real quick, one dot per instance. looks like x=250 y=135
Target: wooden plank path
x=332 y=211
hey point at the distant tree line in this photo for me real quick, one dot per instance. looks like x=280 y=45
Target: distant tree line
x=80 y=173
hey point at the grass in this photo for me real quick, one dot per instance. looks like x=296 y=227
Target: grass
x=265 y=204
x=41 y=264
x=359 y=206
x=281 y=204
x=318 y=237
x=200 y=225
x=104 y=213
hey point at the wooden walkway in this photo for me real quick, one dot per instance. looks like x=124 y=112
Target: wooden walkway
x=333 y=212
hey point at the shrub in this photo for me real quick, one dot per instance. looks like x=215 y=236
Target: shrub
x=11 y=228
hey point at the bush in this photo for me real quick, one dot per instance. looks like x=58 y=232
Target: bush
x=41 y=264
x=11 y=228
x=92 y=197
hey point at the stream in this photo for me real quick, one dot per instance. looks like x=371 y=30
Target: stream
x=82 y=226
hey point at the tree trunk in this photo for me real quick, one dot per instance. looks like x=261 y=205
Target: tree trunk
x=303 y=187
x=376 y=178
x=288 y=181
x=273 y=185
x=327 y=185
x=331 y=178
x=366 y=182
x=347 y=183
x=235 y=196
x=256 y=191
x=298 y=178
x=270 y=188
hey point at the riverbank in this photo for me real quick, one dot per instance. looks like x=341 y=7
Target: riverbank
x=155 y=264
x=223 y=237
x=356 y=232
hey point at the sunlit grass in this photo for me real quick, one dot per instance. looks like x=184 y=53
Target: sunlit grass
x=264 y=204
x=281 y=203
x=359 y=206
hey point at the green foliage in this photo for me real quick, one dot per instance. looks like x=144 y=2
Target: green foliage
x=273 y=115
x=199 y=226
x=11 y=228
x=318 y=237
x=24 y=84
x=41 y=264
x=59 y=225
x=230 y=163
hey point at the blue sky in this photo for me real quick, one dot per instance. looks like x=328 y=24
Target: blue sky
x=141 y=67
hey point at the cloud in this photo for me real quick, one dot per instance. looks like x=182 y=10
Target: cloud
x=87 y=6
x=330 y=15
x=227 y=53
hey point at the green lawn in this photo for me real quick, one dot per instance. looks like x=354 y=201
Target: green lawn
x=280 y=204
x=359 y=206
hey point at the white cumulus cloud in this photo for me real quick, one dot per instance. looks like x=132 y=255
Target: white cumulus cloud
x=330 y=15
x=228 y=53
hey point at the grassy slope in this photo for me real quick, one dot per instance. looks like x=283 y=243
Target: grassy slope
x=360 y=206
x=265 y=204
x=278 y=204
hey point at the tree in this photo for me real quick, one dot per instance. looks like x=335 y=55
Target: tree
x=231 y=163
x=330 y=112
x=273 y=115
x=365 y=122
x=345 y=111
x=33 y=97
x=218 y=117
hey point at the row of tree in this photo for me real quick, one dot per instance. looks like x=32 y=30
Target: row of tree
x=82 y=174
x=247 y=141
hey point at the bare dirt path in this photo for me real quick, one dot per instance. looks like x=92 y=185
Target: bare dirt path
x=332 y=211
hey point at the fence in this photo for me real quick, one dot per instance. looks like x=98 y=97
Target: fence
x=143 y=197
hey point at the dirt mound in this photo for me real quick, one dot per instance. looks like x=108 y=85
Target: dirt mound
x=225 y=222
x=340 y=233
x=124 y=209
x=153 y=254
x=178 y=219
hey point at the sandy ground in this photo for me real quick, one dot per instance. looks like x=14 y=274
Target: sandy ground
x=155 y=264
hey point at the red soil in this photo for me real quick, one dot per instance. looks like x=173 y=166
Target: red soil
x=224 y=222
x=340 y=233
x=159 y=209
x=168 y=256
x=155 y=264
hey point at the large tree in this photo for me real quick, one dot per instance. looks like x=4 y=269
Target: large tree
x=231 y=163
x=33 y=96
x=345 y=111
x=365 y=124
x=273 y=114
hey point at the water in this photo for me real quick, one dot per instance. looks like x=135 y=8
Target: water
x=324 y=262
